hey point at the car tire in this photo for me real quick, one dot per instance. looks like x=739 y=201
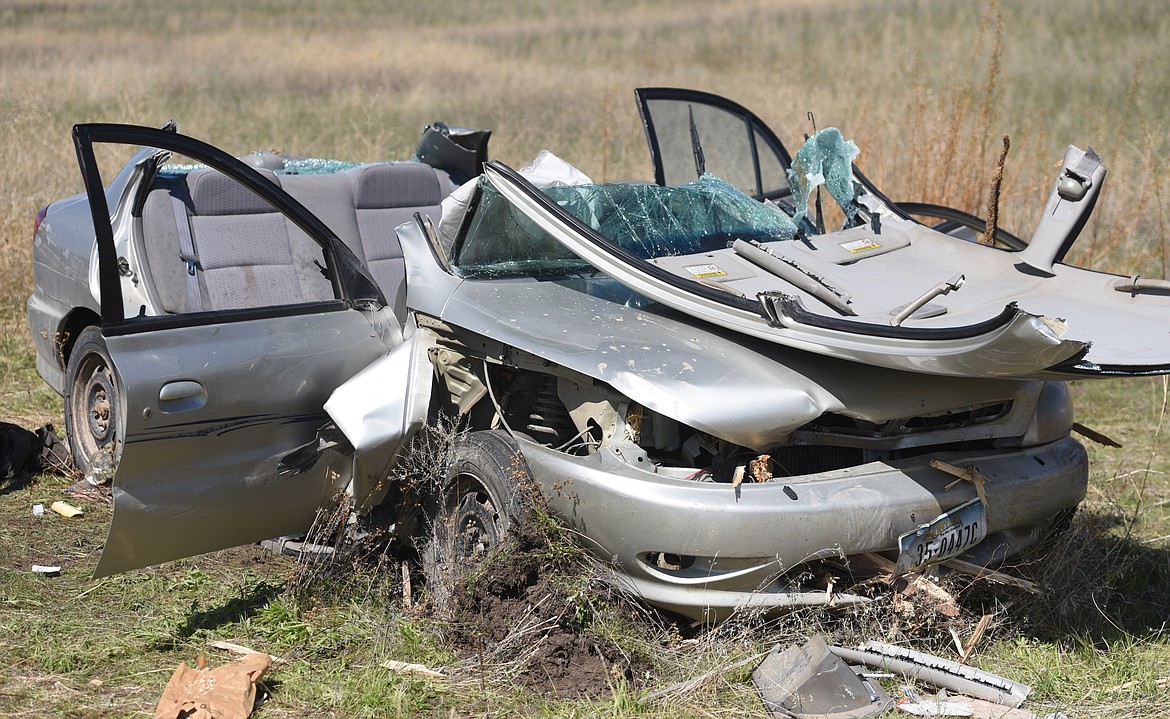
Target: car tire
x=481 y=497
x=482 y=491
x=93 y=398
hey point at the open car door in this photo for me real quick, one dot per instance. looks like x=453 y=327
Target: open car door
x=692 y=133
x=215 y=402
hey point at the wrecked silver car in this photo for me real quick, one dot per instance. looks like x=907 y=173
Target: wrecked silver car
x=726 y=400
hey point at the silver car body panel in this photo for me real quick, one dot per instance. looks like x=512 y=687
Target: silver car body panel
x=210 y=412
x=380 y=408
x=743 y=538
x=747 y=392
x=1006 y=321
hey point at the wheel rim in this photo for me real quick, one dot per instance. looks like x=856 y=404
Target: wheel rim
x=475 y=521
x=93 y=406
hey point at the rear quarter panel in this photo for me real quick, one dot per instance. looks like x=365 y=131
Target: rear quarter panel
x=62 y=249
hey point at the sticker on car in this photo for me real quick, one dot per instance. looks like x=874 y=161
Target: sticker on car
x=860 y=245
x=704 y=271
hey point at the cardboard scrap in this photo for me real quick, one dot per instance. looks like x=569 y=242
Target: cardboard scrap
x=226 y=692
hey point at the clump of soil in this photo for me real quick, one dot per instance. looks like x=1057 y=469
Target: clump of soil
x=510 y=609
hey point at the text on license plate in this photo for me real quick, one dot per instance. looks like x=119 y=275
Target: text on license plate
x=946 y=536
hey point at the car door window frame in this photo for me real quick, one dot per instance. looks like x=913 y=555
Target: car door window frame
x=753 y=125
x=351 y=281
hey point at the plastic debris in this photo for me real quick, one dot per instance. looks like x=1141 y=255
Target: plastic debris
x=65 y=509
x=810 y=682
x=938 y=672
x=936 y=709
x=942 y=704
x=46 y=570
x=420 y=669
x=38 y=510
x=23 y=452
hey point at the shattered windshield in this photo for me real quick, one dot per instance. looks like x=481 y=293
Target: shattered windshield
x=826 y=159
x=644 y=219
x=649 y=220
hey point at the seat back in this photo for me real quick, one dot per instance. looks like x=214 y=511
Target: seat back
x=247 y=254
x=242 y=243
x=385 y=196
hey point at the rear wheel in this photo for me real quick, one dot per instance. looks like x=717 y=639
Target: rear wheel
x=92 y=401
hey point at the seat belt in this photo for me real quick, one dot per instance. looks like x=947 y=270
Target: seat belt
x=187 y=254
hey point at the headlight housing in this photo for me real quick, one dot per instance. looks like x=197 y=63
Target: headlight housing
x=1053 y=418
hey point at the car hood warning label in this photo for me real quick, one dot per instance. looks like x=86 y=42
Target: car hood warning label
x=704 y=271
x=860 y=245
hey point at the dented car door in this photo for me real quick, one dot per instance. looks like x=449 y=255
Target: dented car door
x=214 y=400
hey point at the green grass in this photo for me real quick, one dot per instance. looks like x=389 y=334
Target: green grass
x=926 y=88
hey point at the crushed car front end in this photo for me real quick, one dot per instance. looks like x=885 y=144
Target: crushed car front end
x=714 y=471
x=706 y=549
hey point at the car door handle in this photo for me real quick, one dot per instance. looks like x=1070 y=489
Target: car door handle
x=181 y=396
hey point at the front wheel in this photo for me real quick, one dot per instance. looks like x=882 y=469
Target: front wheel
x=481 y=497
x=92 y=403
x=481 y=494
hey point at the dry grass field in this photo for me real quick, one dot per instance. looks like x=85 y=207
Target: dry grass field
x=927 y=89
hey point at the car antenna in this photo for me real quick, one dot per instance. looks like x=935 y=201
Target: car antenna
x=820 y=218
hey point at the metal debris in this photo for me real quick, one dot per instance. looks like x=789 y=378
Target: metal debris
x=938 y=672
x=808 y=681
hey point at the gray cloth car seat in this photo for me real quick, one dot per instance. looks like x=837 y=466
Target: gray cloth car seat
x=385 y=196
x=243 y=246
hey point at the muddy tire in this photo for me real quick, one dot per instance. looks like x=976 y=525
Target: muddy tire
x=481 y=496
x=481 y=493
x=93 y=399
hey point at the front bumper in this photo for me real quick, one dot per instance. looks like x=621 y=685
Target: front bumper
x=729 y=546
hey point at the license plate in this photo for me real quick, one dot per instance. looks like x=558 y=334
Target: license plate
x=946 y=536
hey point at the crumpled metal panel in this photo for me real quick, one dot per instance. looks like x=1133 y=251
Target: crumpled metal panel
x=1002 y=350
x=380 y=408
x=734 y=387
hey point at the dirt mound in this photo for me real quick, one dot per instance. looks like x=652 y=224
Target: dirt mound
x=514 y=609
